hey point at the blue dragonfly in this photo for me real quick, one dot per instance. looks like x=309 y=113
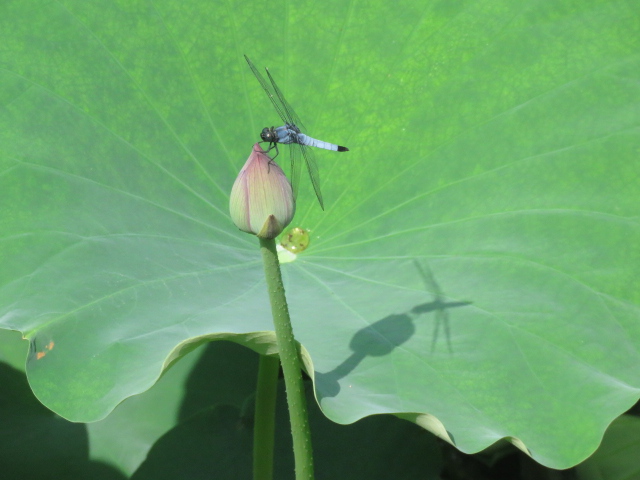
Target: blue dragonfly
x=291 y=133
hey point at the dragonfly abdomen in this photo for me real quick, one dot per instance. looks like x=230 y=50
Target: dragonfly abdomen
x=313 y=142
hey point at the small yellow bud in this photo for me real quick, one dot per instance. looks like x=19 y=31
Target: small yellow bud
x=261 y=199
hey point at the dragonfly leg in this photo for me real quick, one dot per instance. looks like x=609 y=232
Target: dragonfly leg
x=271 y=147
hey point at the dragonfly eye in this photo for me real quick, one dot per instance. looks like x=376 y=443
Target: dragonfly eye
x=267 y=135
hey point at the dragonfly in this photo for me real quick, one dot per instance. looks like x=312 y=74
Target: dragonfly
x=291 y=133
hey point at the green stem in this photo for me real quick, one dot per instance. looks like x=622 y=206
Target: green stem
x=264 y=424
x=291 y=365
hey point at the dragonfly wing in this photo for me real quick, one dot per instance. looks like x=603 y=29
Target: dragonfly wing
x=312 y=167
x=274 y=97
x=296 y=163
x=292 y=117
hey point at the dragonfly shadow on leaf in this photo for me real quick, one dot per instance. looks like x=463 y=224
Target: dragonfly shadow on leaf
x=382 y=337
x=437 y=305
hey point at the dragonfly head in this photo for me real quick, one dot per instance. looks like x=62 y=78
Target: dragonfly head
x=268 y=135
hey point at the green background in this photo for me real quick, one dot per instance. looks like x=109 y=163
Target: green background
x=475 y=270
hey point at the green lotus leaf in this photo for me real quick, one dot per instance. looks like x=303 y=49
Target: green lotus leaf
x=474 y=270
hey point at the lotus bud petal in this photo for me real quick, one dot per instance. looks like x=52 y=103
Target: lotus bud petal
x=261 y=199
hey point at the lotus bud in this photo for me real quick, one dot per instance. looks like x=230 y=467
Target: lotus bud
x=261 y=199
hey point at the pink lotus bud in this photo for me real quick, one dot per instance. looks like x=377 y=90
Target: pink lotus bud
x=261 y=199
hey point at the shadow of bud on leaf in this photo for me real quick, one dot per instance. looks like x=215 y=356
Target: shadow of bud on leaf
x=376 y=340
x=382 y=337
